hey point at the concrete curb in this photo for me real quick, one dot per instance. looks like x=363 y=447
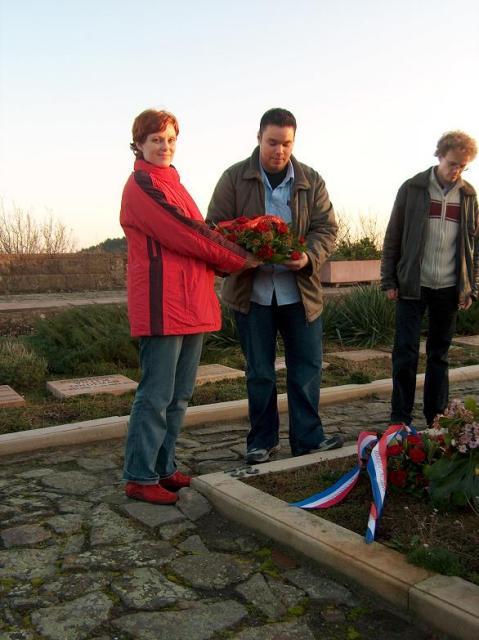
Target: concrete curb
x=449 y=604
x=115 y=427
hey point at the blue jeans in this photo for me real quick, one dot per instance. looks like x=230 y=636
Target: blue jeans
x=168 y=365
x=258 y=331
x=441 y=305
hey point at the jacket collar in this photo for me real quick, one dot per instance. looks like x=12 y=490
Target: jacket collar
x=252 y=171
x=169 y=174
x=421 y=180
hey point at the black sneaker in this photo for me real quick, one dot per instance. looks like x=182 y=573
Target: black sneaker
x=255 y=456
x=333 y=442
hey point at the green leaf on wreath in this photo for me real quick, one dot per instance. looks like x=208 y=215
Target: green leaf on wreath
x=453 y=480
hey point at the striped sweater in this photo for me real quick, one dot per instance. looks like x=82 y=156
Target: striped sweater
x=439 y=261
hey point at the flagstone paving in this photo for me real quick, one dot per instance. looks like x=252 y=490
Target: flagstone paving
x=80 y=561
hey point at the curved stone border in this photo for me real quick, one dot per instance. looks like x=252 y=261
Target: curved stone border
x=448 y=604
x=115 y=427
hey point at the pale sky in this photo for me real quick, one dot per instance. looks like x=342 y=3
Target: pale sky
x=373 y=85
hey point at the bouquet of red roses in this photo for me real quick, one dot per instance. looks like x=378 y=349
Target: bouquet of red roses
x=268 y=237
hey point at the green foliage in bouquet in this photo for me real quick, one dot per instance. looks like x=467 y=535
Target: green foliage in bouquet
x=454 y=478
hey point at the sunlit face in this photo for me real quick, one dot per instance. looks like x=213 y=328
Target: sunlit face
x=275 y=147
x=159 y=148
x=451 y=166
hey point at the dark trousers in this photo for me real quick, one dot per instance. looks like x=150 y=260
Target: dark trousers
x=258 y=332
x=441 y=305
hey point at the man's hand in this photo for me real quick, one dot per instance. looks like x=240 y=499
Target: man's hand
x=296 y=265
x=465 y=303
x=392 y=294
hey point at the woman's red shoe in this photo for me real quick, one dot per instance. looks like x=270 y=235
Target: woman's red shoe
x=176 y=481
x=150 y=493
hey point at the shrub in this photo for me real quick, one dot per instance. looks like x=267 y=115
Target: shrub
x=86 y=340
x=363 y=318
x=364 y=243
x=468 y=321
x=20 y=367
x=227 y=336
x=361 y=249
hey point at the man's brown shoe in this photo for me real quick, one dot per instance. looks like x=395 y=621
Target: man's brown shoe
x=154 y=493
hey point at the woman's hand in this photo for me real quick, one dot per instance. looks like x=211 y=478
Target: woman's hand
x=251 y=262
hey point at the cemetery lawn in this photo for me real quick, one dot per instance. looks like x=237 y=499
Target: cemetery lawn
x=445 y=542
x=42 y=409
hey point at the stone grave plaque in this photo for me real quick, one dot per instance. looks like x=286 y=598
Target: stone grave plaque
x=9 y=397
x=115 y=384
x=280 y=364
x=361 y=355
x=214 y=372
x=470 y=341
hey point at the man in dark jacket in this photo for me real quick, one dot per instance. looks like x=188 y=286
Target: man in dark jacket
x=285 y=298
x=431 y=261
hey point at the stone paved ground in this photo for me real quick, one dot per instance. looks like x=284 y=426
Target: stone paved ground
x=78 y=560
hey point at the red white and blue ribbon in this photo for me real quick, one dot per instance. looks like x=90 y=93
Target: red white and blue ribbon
x=377 y=470
x=335 y=494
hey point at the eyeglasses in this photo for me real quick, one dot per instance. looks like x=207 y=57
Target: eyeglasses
x=457 y=165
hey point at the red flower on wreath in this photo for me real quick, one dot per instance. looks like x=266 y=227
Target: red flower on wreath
x=398 y=477
x=417 y=454
x=394 y=450
x=295 y=255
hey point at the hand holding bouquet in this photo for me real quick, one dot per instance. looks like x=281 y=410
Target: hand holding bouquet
x=267 y=237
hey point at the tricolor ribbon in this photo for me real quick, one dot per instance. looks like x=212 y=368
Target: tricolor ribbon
x=377 y=469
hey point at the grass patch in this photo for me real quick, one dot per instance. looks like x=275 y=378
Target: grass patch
x=445 y=542
x=44 y=410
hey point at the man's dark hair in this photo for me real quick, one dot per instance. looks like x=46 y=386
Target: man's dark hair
x=277 y=117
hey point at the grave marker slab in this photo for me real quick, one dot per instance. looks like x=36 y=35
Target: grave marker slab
x=280 y=364
x=10 y=398
x=115 y=384
x=361 y=355
x=214 y=372
x=470 y=341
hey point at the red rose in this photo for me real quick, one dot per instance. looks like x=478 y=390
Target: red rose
x=242 y=219
x=417 y=455
x=394 y=450
x=265 y=252
x=398 y=478
x=282 y=228
x=412 y=440
x=295 y=255
x=302 y=239
x=263 y=226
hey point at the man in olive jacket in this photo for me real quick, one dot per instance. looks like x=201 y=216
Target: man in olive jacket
x=431 y=261
x=280 y=298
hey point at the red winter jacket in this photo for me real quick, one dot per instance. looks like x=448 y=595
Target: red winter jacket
x=172 y=256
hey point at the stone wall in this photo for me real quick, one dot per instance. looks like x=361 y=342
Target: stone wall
x=44 y=273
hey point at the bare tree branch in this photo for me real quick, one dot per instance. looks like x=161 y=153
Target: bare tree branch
x=20 y=232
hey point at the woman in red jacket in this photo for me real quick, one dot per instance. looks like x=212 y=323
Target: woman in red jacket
x=172 y=259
